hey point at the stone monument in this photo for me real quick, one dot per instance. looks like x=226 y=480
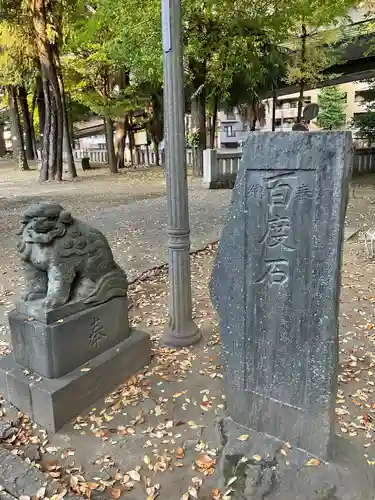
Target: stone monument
x=276 y=286
x=70 y=330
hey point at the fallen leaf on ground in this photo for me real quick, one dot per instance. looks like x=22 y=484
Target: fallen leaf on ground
x=193 y=492
x=115 y=493
x=243 y=437
x=178 y=394
x=60 y=496
x=92 y=485
x=313 y=462
x=134 y=475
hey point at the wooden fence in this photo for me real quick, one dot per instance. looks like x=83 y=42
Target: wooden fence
x=364 y=161
x=220 y=166
x=101 y=156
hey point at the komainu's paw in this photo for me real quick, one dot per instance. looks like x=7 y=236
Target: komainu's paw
x=29 y=296
x=52 y=302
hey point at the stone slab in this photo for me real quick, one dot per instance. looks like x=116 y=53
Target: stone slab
x=54 y=402
x=35 y=309
x=55 y=349
x=276 y=284
x=19 y=478
x=268 y=468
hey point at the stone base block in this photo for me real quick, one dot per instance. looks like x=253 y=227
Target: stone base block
x=54 y=346
x=226 y=182
x=265 y=467
x=54 y=402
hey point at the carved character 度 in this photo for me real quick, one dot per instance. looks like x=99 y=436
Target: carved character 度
x=66 y=259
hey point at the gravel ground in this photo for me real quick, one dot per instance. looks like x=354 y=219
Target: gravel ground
x=130 y=209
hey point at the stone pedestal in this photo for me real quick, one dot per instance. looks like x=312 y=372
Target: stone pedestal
x=70 y=333
x=54 y=402
x=210 y=168
x=64 y=359
x=53 y=343
x=266 y=468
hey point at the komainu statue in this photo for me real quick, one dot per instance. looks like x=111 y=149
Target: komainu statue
x=66 y=260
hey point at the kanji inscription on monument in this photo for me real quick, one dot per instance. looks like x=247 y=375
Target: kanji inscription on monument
x=97 y=333
x=276 y=284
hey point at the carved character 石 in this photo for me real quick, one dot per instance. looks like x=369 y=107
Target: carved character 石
x=66 y=259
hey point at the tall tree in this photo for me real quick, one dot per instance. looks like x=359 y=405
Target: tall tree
x=332 y=105
x=27 y=122
x=39 y=27
x=16 y=67
x=101 y=56
x=313 y=41
x=19 y=153
x=41 y=15
x=3 y=149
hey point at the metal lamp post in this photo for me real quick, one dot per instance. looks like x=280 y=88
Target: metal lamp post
x=181 y=331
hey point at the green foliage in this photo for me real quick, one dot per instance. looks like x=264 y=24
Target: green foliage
x=17 y=55
x=103 y=48
x=193 y=139
x=364 y=125
x=111 y=52
x=332 y=105
x=227 y=44
x=314 y=46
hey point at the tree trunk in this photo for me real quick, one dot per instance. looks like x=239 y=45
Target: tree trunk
x=67 y=147
x=199 y=106
x=120 y=142
x=68 y=139
x=28 y=130
x=41 y=11
x=45 y=146
x=32 y=115
x=53 y=168
x=112 y=164
x=214 y=122
x=16 y=130
x=156 y=151
x=41 y=108
x=274 y=103
x=302 y=82
x=131 y=146
x=3 y=148
x=147 y=155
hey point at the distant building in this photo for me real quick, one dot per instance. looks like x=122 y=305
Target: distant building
x=232 y=132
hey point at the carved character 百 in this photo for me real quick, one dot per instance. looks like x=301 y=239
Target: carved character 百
x=66 y=259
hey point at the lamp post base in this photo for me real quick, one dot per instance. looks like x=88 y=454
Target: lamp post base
x=183 y=337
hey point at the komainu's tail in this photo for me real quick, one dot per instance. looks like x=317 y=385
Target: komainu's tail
x=113 y=284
